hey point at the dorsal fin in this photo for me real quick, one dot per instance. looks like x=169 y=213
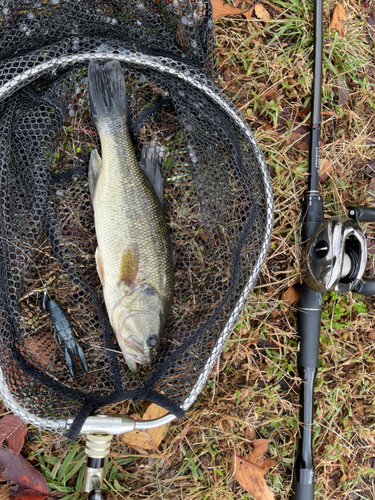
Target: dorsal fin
x=150 y=164
x=129 y=265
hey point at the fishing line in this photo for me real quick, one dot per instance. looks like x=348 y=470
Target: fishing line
x=97 y=346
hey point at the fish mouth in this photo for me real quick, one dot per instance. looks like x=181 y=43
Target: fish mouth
x=134 y=354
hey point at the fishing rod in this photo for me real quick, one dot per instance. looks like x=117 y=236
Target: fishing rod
x=333 y=258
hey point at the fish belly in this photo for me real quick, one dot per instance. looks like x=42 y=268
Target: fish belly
x=128 y=213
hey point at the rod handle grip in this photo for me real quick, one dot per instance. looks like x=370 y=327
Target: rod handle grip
x=363 y=214
x=309 y=320
x=303 y=491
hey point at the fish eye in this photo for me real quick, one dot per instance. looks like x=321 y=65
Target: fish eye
x=152 y=341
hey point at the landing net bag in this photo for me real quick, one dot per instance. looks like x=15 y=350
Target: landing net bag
x=217 y=201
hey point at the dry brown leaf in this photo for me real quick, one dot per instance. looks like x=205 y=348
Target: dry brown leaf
x=371 y=24
x=369 y=171
x=300 y=138
x=370 y=242
x=371 y=335
x=268 y=93
x=223 y=9
x=261 y=12
x=150 y=439
x=248 y=13
x=139 y=450
x=31 y=484
x=227 y=75
x=339 y=19
x=325 y=170
x=250 y=434
x=250 y=470
x=275 y=314
x=271 y=92
x=291 y=296
x=371 y=187
x=343 y=94
x=4 y=492
x=260 y=448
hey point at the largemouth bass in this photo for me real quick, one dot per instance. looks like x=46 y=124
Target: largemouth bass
x=134 y=254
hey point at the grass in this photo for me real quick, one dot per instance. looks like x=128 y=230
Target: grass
x=277 y=56
x=253 y=390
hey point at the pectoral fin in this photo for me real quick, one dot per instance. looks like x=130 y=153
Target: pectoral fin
x=94 y=172
x=129 y=265
x=99 y=266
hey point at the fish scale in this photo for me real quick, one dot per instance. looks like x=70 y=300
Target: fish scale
x=134 y=257
x=132 y=211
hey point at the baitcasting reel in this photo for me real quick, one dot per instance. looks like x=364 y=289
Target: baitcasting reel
x=335 y=257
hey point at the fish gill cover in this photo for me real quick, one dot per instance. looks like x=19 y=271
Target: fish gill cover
x=217 y=202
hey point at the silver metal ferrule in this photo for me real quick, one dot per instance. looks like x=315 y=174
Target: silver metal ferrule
x=93 y=479
x=97 y=446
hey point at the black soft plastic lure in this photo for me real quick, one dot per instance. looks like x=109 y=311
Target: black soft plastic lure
x=65 y=333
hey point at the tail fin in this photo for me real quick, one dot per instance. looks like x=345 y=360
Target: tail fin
x=107 y=91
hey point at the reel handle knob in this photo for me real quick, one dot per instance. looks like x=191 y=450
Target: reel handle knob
x=362 y=214
x=365 y=287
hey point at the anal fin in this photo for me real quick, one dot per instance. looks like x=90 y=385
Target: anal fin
x=99 y=266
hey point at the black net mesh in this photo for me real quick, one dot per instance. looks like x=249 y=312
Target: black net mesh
x=217 y=201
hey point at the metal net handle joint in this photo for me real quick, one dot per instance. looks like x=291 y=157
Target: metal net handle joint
x=116 y=425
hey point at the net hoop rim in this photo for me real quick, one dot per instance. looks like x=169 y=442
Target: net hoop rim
x=198 y=80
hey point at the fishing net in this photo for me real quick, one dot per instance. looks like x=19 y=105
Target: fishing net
x=217 y=201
